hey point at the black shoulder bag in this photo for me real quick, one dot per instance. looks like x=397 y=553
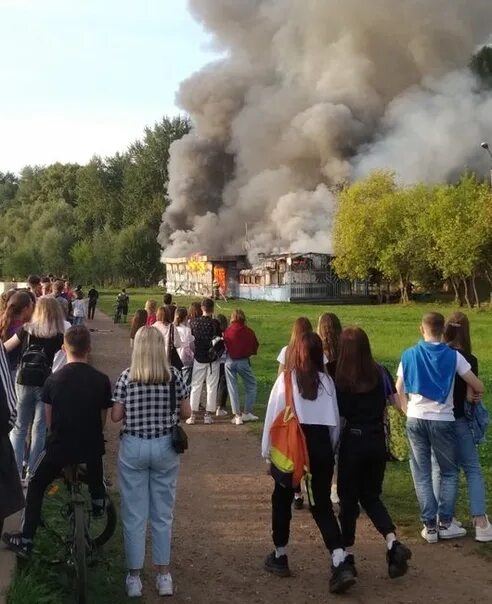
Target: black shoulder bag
x=178 y=435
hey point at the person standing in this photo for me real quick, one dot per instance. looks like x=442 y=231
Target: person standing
x=222 y=390
x=123 y=302
x=12 y=499
x=170 y=306
x=186 y=351
x=151 y=308
x=93 y=296
x=457 y=336
x=59 y=295
x=205 y=330
x=241 y=344
x=40 y=340
x=18 y=312
x=77 y=399
x=138 y=321
x=425 y=385
x=147 y=462
x=362 y=399
x=34 y=285
x=79 y=308
x=315 y=402
x=172 y=340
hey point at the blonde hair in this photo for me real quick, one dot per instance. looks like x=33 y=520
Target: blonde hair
x=47 y=320
x=149 y=359
x=151 y=307
x=239 y=316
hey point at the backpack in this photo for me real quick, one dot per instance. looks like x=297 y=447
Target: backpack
x=217 y=346
x=478 y=420
x=34 y=367
x=288 y=452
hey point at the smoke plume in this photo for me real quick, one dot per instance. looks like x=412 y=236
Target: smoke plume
x=311 y=94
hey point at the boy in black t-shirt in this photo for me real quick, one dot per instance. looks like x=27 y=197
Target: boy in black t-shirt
x=77 y=398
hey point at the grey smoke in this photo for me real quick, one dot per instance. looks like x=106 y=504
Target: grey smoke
x=311 y=94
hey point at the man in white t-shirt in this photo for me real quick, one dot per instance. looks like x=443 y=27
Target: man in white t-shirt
x=425 y=386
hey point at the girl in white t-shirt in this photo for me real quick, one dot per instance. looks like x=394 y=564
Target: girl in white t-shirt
x=187 y=350
x=168 y=330
x=316 y=407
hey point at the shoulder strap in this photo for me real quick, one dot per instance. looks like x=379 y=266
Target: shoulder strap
x=172 y=393
x=289 y=392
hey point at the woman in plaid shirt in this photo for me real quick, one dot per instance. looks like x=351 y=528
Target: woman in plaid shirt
x=147 y=463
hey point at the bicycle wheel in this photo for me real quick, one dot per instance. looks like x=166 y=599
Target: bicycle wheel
x=80 y=553
x=101 y=533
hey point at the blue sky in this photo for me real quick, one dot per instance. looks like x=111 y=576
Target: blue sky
x=80 y=77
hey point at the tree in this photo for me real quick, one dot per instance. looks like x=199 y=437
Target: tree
x=138 y=255
x=459 y=225
x=355 y=240
x=481 y=65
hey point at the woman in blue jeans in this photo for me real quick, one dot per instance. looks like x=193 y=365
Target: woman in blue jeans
x=241 y=344
x=147 y=463
x=457 y=336
x=44 y=333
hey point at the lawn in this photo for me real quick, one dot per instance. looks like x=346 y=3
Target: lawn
x=391 y=328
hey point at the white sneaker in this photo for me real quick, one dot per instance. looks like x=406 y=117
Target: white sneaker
x=237 y=420
x=133 y=586
x=249 y=417
x=483 y=534
x=451 y=532
x=164 y=584
x=429 y=534
x=207 y=419
x=221 y=412
x=191 y=420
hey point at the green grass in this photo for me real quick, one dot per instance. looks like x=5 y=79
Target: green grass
x=46 y=579
x=391 y=329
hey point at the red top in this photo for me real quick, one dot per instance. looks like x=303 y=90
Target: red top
x=240 y=341
x=151 y=319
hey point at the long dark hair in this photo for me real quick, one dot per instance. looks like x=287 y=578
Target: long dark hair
x=457 y=332
x=357 y=371
x=301 y=326
x=139 y=320
x=329 y=330
x=307 y=361
x=195 y=310
x=15 y=305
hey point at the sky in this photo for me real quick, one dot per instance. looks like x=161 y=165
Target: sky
x=84 y=77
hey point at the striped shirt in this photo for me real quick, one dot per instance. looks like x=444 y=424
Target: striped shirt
x=8 y=399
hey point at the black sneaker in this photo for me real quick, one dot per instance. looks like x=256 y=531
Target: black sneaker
x=277 y=566
x=98 y=510
x=342 y=578
x=397 y=558
x=16 y=544
x=349 y=559
x=298 y=503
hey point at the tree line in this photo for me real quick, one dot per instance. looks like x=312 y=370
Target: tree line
x=432 y=235
x=96 y=223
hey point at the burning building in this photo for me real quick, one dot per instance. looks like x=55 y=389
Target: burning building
x=277 y=278
x=204 y=275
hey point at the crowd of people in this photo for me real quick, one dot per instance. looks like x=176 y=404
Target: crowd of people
x=329 y=386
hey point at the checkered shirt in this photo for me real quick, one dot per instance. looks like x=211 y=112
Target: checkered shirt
x=148 y=406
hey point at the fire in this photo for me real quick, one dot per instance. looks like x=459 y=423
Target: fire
x=196 y=264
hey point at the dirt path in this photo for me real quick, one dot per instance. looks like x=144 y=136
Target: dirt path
x=222 y=529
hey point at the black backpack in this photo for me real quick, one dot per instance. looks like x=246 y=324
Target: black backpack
x=217 y=349
x=34 y=367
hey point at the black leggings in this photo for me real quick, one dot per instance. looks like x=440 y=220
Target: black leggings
x=322 y=464
x=46 y=472
x=361 y=467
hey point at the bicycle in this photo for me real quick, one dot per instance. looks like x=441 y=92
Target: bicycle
x=86 y=532
x=118 y=313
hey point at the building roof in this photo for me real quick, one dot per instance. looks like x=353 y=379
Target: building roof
x=203 y=258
